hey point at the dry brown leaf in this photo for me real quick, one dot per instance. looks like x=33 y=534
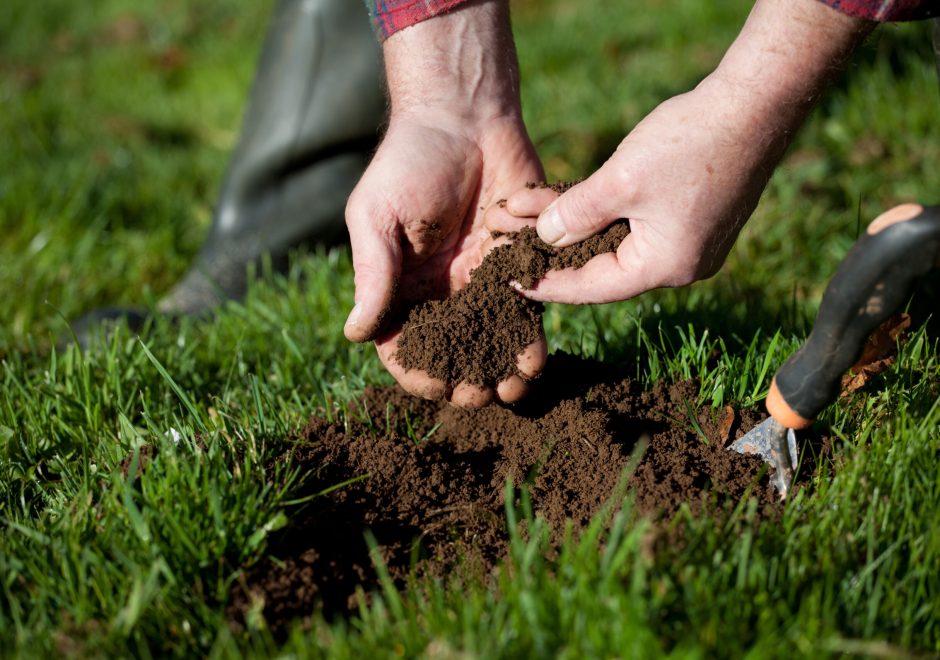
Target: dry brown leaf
x=878 y=354
x=854 y=381
x=724 y=430
x=883 y=341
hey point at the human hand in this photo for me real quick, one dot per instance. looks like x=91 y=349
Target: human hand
x=452 y=149
x=415 y=225
x=691 y=173
x=687 y=188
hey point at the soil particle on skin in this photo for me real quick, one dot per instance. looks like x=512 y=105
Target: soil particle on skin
x=476 y=334
x=431 y=481
x=558 y=186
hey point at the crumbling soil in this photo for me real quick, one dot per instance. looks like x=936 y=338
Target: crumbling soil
x=432 y=480
x=476 y=335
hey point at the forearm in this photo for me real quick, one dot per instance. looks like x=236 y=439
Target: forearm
x=776 y=69
x=788 y=50
x=461 y=64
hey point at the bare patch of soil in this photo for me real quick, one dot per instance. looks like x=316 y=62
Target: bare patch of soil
x=433 y=494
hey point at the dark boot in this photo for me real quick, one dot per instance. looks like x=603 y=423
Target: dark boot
x=309 y=130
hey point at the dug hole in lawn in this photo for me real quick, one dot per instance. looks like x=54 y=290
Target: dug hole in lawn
x=428 y=479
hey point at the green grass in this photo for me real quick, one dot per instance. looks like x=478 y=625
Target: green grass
x=117 y=120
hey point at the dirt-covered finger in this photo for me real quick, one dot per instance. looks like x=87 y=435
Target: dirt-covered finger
x=530 y=202
x=532 y=359
x=467 y=395
x=498 y=218
x=413 y=381
x=512 y=389
x=602 y=280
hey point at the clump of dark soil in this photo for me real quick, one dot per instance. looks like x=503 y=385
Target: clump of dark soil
x=476 y=334
x=433 y=476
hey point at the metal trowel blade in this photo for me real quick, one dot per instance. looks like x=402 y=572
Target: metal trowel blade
x=776 y=445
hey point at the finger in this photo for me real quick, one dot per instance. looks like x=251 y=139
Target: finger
x=529 y=364
x=498 y=218
x=605 y=278
x=512 y=389
x=376 y=252
x=532 y=359
x=583 y=210
x=530 y=202
x=466 y=395
x=413 y=381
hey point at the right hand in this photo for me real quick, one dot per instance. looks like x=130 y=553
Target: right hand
x=415 y=225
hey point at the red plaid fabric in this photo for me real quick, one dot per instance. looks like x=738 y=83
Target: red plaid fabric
x=390 y=16
x=887 y=10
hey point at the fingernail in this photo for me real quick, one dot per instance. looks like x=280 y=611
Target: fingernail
x=354 y=314
x=551 y=228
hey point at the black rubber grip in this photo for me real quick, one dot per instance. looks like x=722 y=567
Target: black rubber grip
x=872 y=283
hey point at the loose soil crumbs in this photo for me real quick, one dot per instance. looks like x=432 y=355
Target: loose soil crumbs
x=476 y=334
x=433 y=496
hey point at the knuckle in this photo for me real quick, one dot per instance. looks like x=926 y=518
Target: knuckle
x=365 y=208
x=625 y=185
x=579 y=212
x=358 y=206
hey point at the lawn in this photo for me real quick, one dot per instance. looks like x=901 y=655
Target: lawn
x=117 y=120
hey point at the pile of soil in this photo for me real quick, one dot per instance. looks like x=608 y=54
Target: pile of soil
x=433 y=479
x=476 y=334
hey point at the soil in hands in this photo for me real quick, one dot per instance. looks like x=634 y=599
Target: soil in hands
x=476 y=334
x=432 y=480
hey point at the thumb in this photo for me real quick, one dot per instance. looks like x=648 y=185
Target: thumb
x=377 y=265
x=580 y=212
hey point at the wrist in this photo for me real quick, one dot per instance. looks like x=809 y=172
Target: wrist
x=459 y=67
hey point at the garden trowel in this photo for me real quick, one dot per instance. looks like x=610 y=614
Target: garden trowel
x=872 y=283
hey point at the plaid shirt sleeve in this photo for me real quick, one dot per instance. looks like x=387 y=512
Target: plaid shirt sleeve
x=887 y=10
x=390 y=16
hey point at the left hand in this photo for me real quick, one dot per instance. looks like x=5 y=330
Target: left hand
x=691 y=173
x=687 y=177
